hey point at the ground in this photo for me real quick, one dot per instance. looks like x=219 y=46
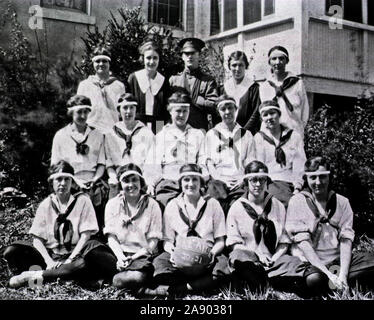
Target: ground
x=15 y=222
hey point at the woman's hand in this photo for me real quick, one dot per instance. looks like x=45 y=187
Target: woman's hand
x=53 y=264
x=337 y=282
x=265 y=260
x=123 y=262
x=212 y=256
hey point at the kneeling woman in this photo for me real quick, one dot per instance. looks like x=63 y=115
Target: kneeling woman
x=192 y=217
x=319 y=222
x=61 y=229
x=255 y=232
x=134 y=227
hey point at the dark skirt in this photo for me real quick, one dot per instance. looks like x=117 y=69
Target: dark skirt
x=166 y=190
x=281 y=190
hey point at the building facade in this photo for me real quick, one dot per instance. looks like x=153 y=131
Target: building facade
x=332 y=55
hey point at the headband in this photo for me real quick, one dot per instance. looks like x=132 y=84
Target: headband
x=190 y=173
x=129 y=172
x=177 y=104
x=81 y=106
x=61 y=174
x=266 y=108
x=256 y=174
x=279 y=52
x=224 y=102
x=101 y=56
x=127 y=103
x=317 y=173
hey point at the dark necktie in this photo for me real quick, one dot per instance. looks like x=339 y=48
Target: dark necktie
x=67 y=229
x=192 y=224
x=142 y=205
x=127 y=138
x=279 y=90
x=280 y=156
x=268 y=233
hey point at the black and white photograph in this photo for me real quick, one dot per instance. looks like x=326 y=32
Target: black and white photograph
x=184 y=157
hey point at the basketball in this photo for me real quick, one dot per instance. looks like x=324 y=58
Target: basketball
x=191 y=255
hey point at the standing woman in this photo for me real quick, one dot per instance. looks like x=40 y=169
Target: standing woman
x=103 y=90
x=150 y=87
x=319 y=221
x=61 y=231
x=282 y=150
x=286 y=89
x=245 y=92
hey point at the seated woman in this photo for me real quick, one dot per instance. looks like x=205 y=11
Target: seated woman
x=256 y=235
x=245 y=92
x=61 y=229
x=319 y=222
x=103 y=89
x=129 y=141
x=287 y=90
x=176 y=144
x=282 y=151
x=192 y=217
x=229 y=148
x=134 y=227
x=82 y=146
x=149 y=87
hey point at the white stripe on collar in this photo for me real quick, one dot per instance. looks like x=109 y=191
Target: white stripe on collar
x=144 y=82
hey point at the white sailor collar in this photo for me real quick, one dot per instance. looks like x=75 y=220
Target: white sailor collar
x=121 y=125
x=145 y=83
x=237 y=91
x=220 y=127
x=182 y=203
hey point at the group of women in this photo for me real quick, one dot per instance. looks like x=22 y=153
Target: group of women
x=125 y=201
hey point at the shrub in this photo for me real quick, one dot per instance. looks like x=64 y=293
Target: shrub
x=346 y=140
x=34 y=92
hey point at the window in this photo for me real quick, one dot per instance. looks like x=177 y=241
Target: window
x=254 y=10
x=73 y=5
x=166 y=12
x=371 y=12
x=215 y=16
x=230 y=16
x=352 y=9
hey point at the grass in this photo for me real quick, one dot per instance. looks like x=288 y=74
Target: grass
x=15 y=223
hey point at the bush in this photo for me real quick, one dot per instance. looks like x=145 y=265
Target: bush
x=34 y=92
x=346 y=140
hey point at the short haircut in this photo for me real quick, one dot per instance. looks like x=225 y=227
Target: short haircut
x=180 y=95
x=125 y=97
x=280 y=48
x=132 y=167
x=100 y=50
x=255 y=166
x=149 y=45
x=312 y=164
x=237 y=55
x=78 y=100
x=193 y=167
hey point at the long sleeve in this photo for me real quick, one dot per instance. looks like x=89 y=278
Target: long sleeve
x=304 y=104
x=298 y=162
x=254 y=122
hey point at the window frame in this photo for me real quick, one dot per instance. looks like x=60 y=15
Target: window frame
x=152 y=5
x=364 y=15
x=55 y=7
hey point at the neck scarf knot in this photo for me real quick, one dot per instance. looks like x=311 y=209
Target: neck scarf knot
x=127 y=138
x=229 y=143
x=140 y=208
x=280 y=155
x=279 y=90
x=268 y=233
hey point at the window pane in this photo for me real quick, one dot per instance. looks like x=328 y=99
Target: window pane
x=330 y=3
x=230 y=15
x=371 y=12
x=165 y=12
x=353 y=10
x=269 y=7
x=252 y=11
x=215 y=14
x=80 y=5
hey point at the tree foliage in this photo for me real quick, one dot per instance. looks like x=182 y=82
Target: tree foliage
x=346 y=139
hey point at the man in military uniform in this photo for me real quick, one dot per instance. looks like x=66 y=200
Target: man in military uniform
x=201 y=87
